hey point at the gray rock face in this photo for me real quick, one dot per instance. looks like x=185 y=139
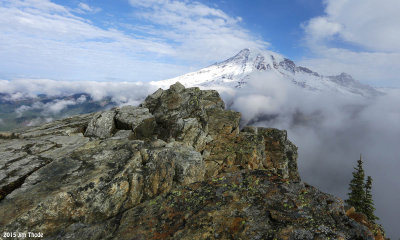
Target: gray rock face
x=102 y=125
x=170 y=105
x=281 y=154
x=138 y=119
x=177 y=167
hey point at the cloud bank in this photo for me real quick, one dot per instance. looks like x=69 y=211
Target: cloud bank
x=331 y=131
x=120 y=92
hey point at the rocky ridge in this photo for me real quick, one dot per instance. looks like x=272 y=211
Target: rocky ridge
x=176 y=167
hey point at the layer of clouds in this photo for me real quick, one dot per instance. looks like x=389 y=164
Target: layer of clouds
x=42 y=39
x=331 y=131
x=360 y=37
x=49 y=108
x=120 y=92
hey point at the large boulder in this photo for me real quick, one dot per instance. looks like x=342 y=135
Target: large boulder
x=137 y=119
x=102 y=125
x=176 y=106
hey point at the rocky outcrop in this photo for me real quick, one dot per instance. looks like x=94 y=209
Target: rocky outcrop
x=176 y=167
x=241 y=205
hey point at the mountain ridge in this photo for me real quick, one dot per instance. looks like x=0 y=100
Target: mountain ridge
x=236 y=71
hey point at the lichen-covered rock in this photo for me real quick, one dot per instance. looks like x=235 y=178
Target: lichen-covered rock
x=176 y=106
x=97 y=181
x=177 y=167
x=102 y=125
x=280 y=153
x=178 y=102
x=242 y=205
x=377 y=229
x=137 y=119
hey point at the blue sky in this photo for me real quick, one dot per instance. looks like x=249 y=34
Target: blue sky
x=145 y=40
x=275 y=21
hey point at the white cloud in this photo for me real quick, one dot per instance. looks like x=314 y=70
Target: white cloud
x=83 y=7
x=35 y=5
x=47 y=109
x=57 y=106
x=370 y=23
x=375 y=68
x=41 y=39
x=121 y=92
x=320 y=28
x=201 y=32
x=360 y=37
x=263 y=95
x=81 y=99
x=19 y=111
x=46 y=40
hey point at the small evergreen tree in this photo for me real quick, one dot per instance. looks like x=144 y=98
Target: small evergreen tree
x=360 y=195
x=357 y=192
x=368 y=202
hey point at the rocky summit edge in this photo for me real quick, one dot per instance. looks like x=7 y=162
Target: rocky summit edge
x=175 y=167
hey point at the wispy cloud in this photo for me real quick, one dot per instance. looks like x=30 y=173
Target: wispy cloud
x=357 y=36
x=42 y=39
x=49 y=108
x=85 y=8
x=199 y=32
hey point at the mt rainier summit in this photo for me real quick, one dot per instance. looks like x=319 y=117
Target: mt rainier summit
x=236 y=72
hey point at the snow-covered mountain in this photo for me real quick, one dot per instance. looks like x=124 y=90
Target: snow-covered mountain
x=227 y=77
x=236 y=72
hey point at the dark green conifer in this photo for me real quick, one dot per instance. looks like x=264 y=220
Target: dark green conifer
x=368 y=202
x=357 y=192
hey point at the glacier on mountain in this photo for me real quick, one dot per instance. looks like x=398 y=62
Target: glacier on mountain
x=237 y=71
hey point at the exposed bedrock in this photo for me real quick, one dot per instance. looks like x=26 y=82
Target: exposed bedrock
x=175 y=167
